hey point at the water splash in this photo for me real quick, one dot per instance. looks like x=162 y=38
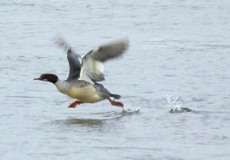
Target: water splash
x=176 y=104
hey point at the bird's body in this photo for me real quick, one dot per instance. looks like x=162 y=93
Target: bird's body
x=81 y=90
x=85 y=73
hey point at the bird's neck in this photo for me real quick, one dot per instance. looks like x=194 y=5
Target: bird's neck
x=62 y=86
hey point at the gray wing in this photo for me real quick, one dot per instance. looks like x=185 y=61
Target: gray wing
x=110 y=50
x=92 y=63
x=73 y=59
x=74 y=65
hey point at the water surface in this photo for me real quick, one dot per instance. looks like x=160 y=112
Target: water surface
x=177 y=49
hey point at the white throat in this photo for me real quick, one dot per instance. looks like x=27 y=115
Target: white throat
x=62 y=86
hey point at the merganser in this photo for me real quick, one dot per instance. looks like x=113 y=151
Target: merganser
x=85 y=73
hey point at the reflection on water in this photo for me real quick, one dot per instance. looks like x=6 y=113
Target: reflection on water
x=84 y=122
x=97 y=118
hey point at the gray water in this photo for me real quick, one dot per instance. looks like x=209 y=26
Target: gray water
x=178 y=48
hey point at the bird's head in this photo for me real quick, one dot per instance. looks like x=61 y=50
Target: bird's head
x=48 y=77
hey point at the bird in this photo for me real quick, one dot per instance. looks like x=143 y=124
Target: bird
x=86 y=73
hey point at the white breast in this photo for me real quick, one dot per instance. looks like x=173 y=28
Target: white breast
x=86 y=94
x=62 y=86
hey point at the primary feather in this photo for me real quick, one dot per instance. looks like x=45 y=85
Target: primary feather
x=92 y=62
x=73 y=59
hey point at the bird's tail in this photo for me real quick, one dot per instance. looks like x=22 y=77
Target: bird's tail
x=116 y=96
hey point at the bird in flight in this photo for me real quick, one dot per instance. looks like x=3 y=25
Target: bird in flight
x=86 y=73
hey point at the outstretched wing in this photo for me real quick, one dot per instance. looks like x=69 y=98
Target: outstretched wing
x=73 y=59
x=74 y=65
x=92 y=63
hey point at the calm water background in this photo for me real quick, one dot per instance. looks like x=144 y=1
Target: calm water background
x=178 y=49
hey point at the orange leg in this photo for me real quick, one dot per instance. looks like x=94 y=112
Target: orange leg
x=74 y=104
x=116 y=103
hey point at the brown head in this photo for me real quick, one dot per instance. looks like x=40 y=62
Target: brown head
x=48 y=77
